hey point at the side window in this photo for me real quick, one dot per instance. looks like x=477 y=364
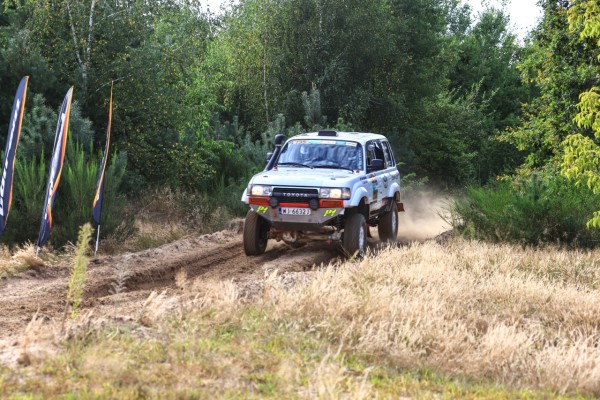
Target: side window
x=389 y=155
x=375 y=151
x=370 y=151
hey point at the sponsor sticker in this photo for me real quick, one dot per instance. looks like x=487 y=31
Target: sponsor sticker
x=330 y=213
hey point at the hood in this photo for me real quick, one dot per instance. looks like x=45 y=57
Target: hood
x=305 y=177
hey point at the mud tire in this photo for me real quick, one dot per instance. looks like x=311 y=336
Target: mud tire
x=256 y=230
x=388 y=225
x=355 y=235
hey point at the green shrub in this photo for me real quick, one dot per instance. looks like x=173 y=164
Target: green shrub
x=28 y=200
x=530 y=210
x=73 y=204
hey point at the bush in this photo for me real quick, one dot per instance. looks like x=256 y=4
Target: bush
x=530 y=210
x=73 y=205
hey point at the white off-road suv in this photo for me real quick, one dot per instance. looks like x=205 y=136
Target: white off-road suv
x=324 y=185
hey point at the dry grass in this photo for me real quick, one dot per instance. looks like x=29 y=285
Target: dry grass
x=519 y=317
x=465 y=320
x=19 y=260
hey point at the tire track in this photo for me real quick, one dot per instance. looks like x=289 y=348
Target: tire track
x=213 y=257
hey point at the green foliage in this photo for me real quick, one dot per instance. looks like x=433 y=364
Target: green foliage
x=39 y=124
x=581 y=154
x=79 y=270
x=313 y=117
x=454 y=157
x=531 y=210
x=76 y=194
x=421 y=71
x=39 y=128
x=561 y=66
x=73 y=204
x=28 y=200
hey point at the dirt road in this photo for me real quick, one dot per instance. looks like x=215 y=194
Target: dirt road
x=118 y=286
x=214 y=257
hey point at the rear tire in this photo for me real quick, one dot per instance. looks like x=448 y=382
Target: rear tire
x=256 y=234
x=355 y=235
x=388 y=225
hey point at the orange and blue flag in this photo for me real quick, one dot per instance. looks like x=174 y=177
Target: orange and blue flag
x=56 y=164
x=12 y=141
x=97 y=206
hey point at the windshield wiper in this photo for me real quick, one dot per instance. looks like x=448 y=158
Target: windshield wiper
x=333 y=167
x=294 y=164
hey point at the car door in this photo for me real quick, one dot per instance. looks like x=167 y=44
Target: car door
x=391 y=172
x=377 y=176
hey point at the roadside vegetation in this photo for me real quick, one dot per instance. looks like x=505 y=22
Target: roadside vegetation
x=509 y=309
x=199 y=98
x=463 y=320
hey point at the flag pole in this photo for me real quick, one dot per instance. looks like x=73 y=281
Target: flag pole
x=97 y=240
x=97 y=205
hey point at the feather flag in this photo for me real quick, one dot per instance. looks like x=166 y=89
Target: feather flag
x=12 y=141
x=97 y=206
x=56 y=164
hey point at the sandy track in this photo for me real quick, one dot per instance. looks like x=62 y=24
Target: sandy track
x=214 y=257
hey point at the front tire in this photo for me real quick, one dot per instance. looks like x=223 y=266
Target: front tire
x=256 y=234
x=388 y=225
x=355 y=235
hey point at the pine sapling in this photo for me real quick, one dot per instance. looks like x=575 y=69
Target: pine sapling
x=77 y=278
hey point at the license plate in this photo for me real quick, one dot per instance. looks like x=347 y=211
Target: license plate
x=294 y=211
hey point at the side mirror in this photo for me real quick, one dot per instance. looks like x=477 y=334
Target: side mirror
x=269 y=155
x=376 y=164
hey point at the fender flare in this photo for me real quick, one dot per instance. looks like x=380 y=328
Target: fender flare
x=393 y=189
x=357 y=196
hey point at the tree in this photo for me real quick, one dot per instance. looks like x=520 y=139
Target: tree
x=581 y=160
x=561 y=66
x=487 y=56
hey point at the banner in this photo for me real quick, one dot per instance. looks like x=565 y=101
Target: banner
x=56 y=164
x=97 y=207
x=12 y=141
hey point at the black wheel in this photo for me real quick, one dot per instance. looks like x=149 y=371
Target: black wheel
x=355 y=234
x=388 y=225
x=256 y=230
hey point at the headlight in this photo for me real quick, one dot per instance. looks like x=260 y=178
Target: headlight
x=335 y=193
x=260 y=190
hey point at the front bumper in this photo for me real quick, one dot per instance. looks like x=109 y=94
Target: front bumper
x=316 y=218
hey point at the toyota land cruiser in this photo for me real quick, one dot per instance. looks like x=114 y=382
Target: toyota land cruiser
x=324 y=185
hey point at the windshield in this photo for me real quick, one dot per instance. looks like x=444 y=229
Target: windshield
x=317 y=153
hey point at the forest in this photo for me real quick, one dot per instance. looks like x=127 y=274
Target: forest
x=509 y=125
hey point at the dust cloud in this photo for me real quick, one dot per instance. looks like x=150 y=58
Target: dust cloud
x=423 y=216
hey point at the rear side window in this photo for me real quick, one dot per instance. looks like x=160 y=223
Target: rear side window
x=390 y=161
x=381 y=150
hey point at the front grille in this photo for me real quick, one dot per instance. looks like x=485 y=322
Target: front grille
x=295 y=195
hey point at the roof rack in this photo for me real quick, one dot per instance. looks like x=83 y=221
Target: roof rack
x=327 y=133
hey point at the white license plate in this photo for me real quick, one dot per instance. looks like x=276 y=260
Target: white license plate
x=294 y=211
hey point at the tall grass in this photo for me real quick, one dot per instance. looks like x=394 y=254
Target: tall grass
x=466 y=320
x=522 y=317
